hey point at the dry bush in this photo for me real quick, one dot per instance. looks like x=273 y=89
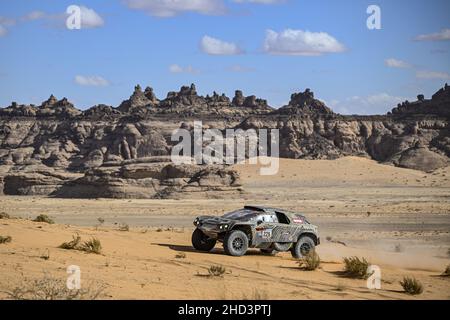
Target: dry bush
x=216 y=271
x=256 y=295
x=92 y=246
x=310 y=262
x=356 y=267
x=71 y=245
x=447 y=271
x=49 y=288
x=6 y=239
x=44 y=218
x=411 y=285
x=4 y=215
x=180 y=255
x=124 y=227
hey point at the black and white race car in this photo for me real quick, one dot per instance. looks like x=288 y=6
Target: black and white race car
x=269 y=229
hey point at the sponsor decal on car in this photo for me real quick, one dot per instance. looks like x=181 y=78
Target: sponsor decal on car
x=265 y=233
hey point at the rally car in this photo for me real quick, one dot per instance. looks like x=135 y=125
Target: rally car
x=269 y=229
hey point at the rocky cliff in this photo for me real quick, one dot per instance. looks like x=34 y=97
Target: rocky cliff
x=105 y=151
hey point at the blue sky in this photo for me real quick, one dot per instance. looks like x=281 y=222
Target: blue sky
x=225 y=45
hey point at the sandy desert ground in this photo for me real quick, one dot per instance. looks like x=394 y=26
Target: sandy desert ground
x=399 y=219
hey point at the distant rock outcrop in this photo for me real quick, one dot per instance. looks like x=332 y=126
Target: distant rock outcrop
x=57 y=149
x=304 y=103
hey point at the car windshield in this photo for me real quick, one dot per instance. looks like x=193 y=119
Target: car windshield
x=241 y=214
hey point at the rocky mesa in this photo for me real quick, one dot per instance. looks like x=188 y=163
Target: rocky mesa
x=123 y=152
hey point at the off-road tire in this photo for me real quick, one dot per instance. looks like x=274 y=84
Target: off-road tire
x=302 y=247
x=235 y=243
x=201 y=241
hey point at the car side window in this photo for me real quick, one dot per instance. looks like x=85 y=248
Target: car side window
x=282 y=218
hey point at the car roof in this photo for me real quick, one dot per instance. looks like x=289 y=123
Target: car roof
x=271 y=210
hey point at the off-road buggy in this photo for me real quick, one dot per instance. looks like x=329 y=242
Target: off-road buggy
x=268 y=229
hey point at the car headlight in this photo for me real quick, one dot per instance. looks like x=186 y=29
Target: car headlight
x=196 y=221
x=223 y=227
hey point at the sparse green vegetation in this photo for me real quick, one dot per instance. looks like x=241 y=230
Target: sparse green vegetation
x=411 y=285
x=310 y=262
x=6 y=239
x=92 y=246
x=44 y=218
x=49 y=288
x=356 y=267
x=71 y=245
x=216 y=271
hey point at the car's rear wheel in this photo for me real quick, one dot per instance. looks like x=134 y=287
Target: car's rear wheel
x=201 y=241
x=235 y=243
x=302 y=247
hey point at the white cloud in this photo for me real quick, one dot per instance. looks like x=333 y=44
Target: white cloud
x=394 y=63
x=33 y=15
x=299 y=42
x=3 y=31
x=443 y=35
x=95 y=81
x=260 y=1
x=239 y=68
x=432 y=75
x=175 y=68
x=90 y=18
x=215 y=46
x=8 y=22
x=170 y=8
x=373 y=104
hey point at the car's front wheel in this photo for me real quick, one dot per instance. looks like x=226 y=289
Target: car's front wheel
x=235 y=243
x=201 y=241
x=302 y=247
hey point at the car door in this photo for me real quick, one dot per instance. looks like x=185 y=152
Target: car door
x=266 y=224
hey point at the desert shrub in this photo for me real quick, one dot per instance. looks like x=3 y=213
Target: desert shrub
x=310 y=262
x=49 y=288
x=356 y=268
x=411 y=285
x=340 y=287
x=6 y=239
x=71 y=245
x=180 y=255
x=399 y=248
x=45 y=255
x=92 y=246
x=447 y=271
x=44 y=218
x=124 y=227
x=216 y=271
x=256 y=295
x=4 y=215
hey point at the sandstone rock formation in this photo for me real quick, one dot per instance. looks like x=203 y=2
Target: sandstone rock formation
x=56 y=149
